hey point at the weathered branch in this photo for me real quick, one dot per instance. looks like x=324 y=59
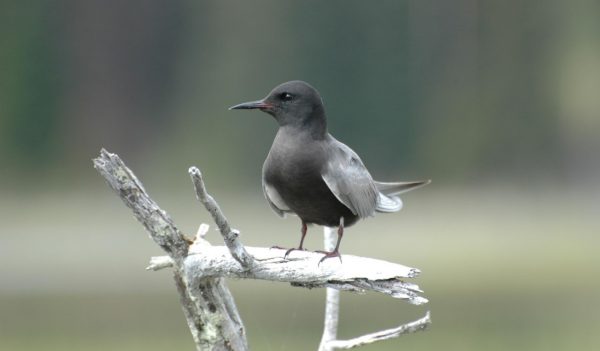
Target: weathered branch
x=199 y=269
x=358 y=274
x=418 y=325
x=207 y=304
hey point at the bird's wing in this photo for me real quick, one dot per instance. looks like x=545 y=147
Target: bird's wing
x=274 y=200
x=349 y=180
x=398 y=188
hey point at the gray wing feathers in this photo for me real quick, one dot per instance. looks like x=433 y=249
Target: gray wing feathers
x=350 y=182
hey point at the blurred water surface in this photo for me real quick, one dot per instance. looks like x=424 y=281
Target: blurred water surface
x=498 y=276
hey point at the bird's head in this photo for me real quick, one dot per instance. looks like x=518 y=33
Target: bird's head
x=291 y=103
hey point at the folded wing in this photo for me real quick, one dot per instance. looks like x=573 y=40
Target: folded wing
x=350 y=181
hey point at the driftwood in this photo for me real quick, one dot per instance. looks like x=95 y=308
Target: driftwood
x=199 y=269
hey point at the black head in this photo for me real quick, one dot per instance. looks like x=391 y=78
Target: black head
x=291 y=103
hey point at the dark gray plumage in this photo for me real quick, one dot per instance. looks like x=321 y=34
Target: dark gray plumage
x=311 y=174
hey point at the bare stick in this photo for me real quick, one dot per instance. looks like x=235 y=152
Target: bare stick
x=418 y=325
x=231 y=236
x=332 y=300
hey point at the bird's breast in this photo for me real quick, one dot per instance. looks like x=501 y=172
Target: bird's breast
x=293 y=158
x=295 y=184
x=292 y=174
x=293 y=170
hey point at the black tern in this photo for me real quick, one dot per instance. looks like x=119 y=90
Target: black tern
x=311 y=174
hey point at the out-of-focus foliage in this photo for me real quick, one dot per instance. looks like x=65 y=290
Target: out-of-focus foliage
x=463 y=90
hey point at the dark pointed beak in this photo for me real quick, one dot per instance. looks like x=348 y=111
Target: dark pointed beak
x=258 y=104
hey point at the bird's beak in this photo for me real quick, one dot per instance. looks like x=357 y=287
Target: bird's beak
x=258 y=104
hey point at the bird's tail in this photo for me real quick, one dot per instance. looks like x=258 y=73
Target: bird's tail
x=388 y=200
x=397 y=188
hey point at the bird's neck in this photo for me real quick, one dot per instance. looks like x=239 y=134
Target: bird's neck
x=316 y=131
x=317 y=127
x=314 y=127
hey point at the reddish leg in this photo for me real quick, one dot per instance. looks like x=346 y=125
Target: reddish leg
x=301 y=247
x=335 y=252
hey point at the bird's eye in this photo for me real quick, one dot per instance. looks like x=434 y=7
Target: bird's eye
x=286 y=97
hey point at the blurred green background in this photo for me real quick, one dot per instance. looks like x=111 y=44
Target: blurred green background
x=497 y=102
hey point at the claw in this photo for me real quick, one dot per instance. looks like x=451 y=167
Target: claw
x=335 y=252
x=331 y=254
x=292 y=249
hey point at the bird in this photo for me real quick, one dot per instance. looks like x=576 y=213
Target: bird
x=311 y=174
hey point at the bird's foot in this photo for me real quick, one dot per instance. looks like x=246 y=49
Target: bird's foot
x=329 y=254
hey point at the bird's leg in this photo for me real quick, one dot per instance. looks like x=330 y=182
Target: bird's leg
x=303 y=231
x=335 y=252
